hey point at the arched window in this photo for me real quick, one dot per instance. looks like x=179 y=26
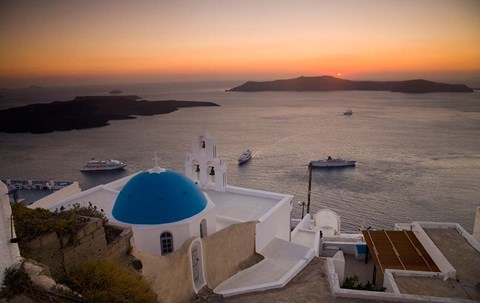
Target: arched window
x=166 y=243
x=203 y=228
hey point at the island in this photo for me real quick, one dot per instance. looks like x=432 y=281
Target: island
x=84 y=112
x=32 y=87
x=115 y=91
x=328 y=83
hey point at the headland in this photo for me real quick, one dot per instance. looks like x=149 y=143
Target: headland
x=84 y=112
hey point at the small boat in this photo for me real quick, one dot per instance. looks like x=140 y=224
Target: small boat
x=348 y=112
x=330 y=162
x=100 y=165
x=247 y=155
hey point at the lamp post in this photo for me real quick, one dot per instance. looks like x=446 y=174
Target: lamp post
x=309 y=186
x=12 y=239
x=302 y=204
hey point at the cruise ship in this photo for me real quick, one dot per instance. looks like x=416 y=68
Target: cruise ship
x=330 y=162
x=101 y=165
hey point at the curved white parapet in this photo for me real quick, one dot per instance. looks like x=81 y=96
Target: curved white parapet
x=9 y=251
x=328 y=222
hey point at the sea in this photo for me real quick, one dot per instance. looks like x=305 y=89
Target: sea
x=418 y=155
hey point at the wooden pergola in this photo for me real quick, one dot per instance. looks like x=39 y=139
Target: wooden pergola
x=397 y=249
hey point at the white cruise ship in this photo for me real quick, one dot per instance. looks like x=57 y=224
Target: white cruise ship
x=100 y=165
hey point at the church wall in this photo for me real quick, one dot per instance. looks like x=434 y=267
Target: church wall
x=226 y=249
x=90 y=243
x=276 y=225
x=170 y=276
x=148 y=239
x=209 y=216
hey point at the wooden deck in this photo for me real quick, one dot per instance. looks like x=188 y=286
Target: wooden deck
x=398 y=250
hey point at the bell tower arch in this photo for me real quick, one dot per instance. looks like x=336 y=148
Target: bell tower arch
x=203 y=165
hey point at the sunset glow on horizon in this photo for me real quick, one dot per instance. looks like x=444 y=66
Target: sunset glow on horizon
x=47 y=41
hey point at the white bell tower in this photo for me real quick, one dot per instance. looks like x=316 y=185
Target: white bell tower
x=203 y=166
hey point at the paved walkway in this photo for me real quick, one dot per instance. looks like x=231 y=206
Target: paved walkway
x=283 y=260
x=309 y=286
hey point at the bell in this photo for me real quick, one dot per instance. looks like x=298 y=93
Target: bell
x=212 y=171
x=197 y=169
x=203 y=144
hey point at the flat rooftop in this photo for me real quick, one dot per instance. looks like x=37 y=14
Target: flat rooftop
x=461 y=255
x=240 y=206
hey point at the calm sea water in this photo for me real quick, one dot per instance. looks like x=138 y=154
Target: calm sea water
x=418 y=156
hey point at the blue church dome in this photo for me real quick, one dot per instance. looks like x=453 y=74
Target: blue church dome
x=158 y=198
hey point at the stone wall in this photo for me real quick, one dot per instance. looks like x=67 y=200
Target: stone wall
x=120 y=248
x=225 y=253
x=90 y=244
x=47 y=250
x=226 y=250
x=170 y=276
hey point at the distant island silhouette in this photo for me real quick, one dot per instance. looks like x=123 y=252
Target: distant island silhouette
x=29 y=88
x=84 y=112
x=115 y=91
x=328 y=83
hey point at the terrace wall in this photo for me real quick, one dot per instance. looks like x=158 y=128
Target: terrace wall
x=90 y=244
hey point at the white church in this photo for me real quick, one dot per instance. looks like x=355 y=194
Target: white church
x=166 y=209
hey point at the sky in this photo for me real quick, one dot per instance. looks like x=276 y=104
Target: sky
x=61 y=42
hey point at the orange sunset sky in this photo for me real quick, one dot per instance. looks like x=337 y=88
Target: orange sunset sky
x=59 y=42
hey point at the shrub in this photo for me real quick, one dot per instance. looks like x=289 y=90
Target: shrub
x=16 y=282
x=352 y=283
x=33 y=223
x=86 y=211
x=107 y=281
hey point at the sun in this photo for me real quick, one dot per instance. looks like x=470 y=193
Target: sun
x=339 y=74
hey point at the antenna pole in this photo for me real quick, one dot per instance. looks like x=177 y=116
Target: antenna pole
x=309 y=186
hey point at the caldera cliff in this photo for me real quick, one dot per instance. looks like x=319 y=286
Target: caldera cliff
x=84 y=112
x=328 y=83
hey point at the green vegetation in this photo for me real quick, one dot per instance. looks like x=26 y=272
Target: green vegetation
x=85 y=211
x=352 y=283
x=100 y=281
x=107 y=281
x=33 y=223
x=17 y=283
